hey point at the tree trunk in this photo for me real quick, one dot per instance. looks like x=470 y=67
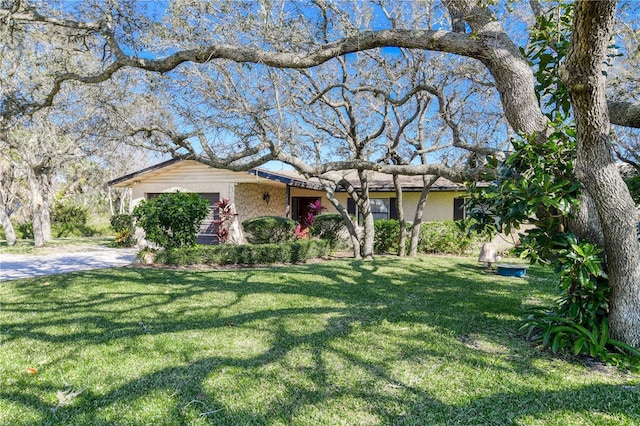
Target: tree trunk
x=596 y=168
x=584 y=222
x=368 y=237
x=402 y=243
x=351 y=227
x=47 y=196
x=417 y=221
x=9 y=232
x=36 y=209
x=41 y=196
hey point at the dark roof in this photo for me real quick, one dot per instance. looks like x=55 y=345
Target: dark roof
x=297 y=181
x=382 y=182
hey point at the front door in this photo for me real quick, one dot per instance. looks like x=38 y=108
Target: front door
x=300 y=207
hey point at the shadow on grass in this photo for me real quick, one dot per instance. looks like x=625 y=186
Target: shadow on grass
x=424 y=311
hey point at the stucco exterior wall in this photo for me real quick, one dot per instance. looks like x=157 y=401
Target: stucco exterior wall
x=439 y=204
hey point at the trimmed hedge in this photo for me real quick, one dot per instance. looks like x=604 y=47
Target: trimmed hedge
x=330 y=227
x=245 y=254
x=270 y=229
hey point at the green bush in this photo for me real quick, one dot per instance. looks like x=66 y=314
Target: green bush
x=25 y=231
x=269 y=229
x=329 y=227
x=245 y=254
x=122 y=225
x=445 y=237
x=387 y=235
x=172 y=219
x=69 y=219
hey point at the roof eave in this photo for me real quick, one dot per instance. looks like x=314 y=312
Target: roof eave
x=119 y=182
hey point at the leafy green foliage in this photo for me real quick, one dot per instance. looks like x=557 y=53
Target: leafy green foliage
x=270 y=229
x=536 y=185
x=25 y=230
x=122 y=225
x=583 y=282
x=329 y=227
x=560 y=333
x=446 y=237
x=172 y=219
x=70 y=219
x=548 y=45
x=387 y=235
x=245 y=254
x=633 y=183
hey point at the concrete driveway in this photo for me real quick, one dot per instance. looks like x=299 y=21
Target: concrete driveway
x=17 y=266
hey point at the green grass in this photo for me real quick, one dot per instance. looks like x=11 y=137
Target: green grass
x=56 y=245
x=394 y=341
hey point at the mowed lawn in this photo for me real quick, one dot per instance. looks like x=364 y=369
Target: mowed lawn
x=422 y=341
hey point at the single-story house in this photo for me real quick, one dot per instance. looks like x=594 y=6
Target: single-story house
x=260 y=192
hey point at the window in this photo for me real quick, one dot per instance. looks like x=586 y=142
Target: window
x=458 y=209
x=381 y=208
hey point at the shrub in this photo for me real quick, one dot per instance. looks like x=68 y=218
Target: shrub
x=122 y=225
x=329 y=227
x=172 y=219
x=70 y=220
x=578 y=319
x=245 y=254
x=445 y=237
x=25 y=230
x=560 y=333
x=270 y=229
x=387 y=235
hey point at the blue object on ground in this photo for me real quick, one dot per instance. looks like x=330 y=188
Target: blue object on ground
x=512 y=270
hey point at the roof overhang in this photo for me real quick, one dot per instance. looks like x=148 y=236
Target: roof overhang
x=131 y=178
x=378 y=182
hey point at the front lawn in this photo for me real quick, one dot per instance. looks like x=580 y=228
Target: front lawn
x=426 y=341
x=57 y=245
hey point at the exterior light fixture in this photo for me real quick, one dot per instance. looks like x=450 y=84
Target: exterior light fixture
x=266 y=197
